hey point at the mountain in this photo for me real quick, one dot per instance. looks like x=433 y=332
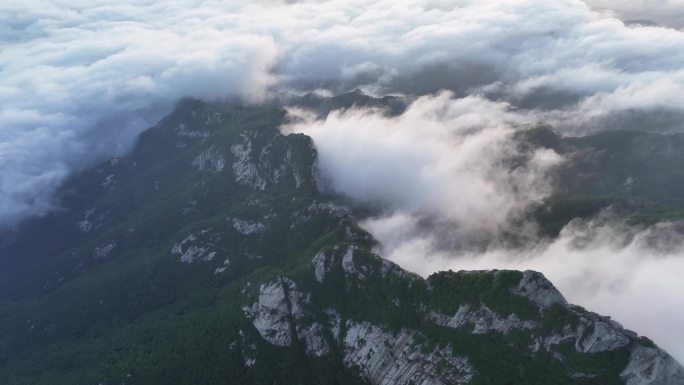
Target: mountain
x=637 y=174
x=210 y=256
x=323 y=105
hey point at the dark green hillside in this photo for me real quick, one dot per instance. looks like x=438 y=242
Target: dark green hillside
x=638 y=174
x=209 y=256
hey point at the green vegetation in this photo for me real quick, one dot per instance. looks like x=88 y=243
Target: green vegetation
x=450 y=290
x=136 y=314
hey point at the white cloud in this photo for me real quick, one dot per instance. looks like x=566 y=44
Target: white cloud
x=91 y=75
x=444 y=157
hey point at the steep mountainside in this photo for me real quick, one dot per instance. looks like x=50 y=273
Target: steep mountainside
x=209 y=256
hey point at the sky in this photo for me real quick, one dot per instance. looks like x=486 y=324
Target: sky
x=79 y=80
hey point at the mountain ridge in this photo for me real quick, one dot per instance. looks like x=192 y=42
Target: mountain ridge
x=158 y=251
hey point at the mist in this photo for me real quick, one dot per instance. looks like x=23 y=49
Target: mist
x=80 y=80
x=443 y=158
x=449 y=198
x=631 y=274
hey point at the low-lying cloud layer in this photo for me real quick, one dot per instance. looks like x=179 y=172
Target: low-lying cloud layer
x=79 y=80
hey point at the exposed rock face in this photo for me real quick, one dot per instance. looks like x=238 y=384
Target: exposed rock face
x=339 y=257
x=589 y=337
x=196 y=247
x=209 y=117
x=404 y=357
x=594 y=334
x=333 y=209
x=539 y=290
x=278 y=317
x=271 y=315
x=296 y=174
x=86 y=224
x=90 y=221
x=274 y=171
x=398 y=358
x=348 y=261
x=383 y=358
x=301 y=216
x=104 y=250
x=605 y=336
x=258 y=168
x=247 y=227
x=209 y=160
x=279 y=313
x=108 y=182
x=389 y=268
x=223 y=267
x=482 y=320
x=314 y=342
x=319 y=263
x=652 y=366
x=387 y=359
x=244 y=169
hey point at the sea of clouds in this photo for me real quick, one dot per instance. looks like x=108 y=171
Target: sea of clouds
x=79 y=80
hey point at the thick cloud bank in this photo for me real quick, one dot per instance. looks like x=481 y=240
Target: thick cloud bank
x=634 y=275
x=443 y=158
x=79 y=80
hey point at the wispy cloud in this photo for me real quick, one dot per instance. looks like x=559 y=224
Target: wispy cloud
x=79 y=80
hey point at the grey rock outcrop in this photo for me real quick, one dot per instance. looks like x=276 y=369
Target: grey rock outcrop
x=535 y=287
x=282 y=314
x=387 y=359
x=481 y=320
x=652 y=366
x=271 y=315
